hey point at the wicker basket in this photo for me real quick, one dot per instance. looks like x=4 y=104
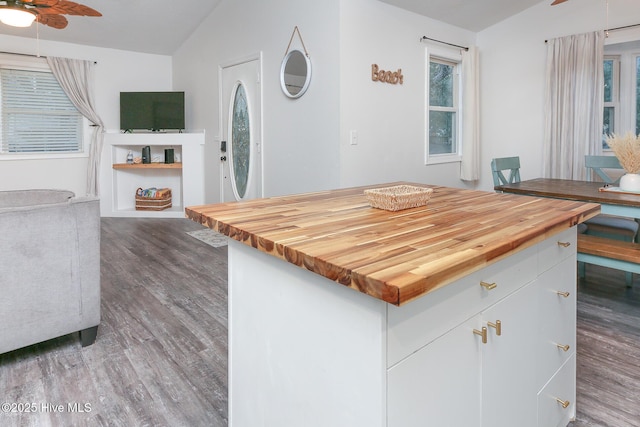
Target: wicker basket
x=153 y=203
x=398 y=197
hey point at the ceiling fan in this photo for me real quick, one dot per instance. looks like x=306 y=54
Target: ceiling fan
x=558 y=2
x=21 y=13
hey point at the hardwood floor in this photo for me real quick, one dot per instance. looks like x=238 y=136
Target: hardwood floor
x=160 y=358
x=608 y=344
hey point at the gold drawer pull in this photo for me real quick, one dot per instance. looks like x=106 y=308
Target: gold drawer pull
x=497 y=326
x=488 y=286
x=563 y=347
x=563 y=294
x=564 y=244
x=482 y=333
x=564 y=403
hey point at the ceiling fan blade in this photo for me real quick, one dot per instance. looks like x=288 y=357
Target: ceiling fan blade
x=63 y=7
x=55 y=21
x=40 y=2
x=558 y=2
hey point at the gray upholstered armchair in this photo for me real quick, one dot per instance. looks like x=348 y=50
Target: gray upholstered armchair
x=49 y=267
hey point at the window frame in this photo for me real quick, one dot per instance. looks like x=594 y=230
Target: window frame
x=450 y=57
x=615 y=96
x=28 y=63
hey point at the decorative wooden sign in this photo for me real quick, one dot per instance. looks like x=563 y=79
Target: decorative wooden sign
x=393 y=77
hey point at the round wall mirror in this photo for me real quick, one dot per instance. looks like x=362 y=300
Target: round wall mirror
x=295 y=74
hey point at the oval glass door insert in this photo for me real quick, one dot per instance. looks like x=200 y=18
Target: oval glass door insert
x=240 y=141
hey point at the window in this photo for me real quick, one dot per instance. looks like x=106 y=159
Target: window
x=443 y=110
x=36 y=116
x=611 y=101
x=621 y=67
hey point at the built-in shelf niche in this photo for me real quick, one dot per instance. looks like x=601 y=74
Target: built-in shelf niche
x=120 y=180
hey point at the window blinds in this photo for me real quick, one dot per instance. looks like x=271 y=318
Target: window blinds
x=36 y=115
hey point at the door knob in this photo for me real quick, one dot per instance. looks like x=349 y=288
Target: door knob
x=223 y=158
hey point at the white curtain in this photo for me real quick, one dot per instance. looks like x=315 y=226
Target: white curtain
x=574 y=102
x=470 y=165
x=76 y=79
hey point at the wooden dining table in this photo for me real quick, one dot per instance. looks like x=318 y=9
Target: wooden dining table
x=611 y=202
x=591 y=249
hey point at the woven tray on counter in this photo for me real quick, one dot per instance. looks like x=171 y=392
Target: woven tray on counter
x=398 y=197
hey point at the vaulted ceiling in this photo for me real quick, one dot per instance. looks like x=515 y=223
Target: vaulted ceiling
x=474 y=15
x=158 y=26
x=161 y=28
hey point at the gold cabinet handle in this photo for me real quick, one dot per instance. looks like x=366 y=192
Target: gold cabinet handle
x=488 y=286
x=497 y=326
x=563 y=294
x=564 y=403
x=482 y=333
x=564 y=244
x=563 y=347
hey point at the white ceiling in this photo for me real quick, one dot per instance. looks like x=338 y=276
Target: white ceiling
x=473 y=15
x=161 y=26
x=151 y=26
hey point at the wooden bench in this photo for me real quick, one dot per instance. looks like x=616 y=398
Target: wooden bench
x=609 y=253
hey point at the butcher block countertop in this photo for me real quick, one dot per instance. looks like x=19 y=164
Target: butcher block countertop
x=393 y=256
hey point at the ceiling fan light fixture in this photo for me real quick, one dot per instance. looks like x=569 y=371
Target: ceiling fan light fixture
x=16 y=17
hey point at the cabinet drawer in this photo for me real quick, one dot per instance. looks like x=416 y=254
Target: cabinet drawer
x=557 y=314
x=557 y=248
x=562 y=387
x=414 y=325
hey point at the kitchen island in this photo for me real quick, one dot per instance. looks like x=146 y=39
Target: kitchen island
x=458 y=313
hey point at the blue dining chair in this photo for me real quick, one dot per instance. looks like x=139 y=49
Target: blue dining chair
x=503 y=164
x=598 y=165
x=609 y=226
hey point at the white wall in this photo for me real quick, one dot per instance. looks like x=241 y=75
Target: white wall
x=115 y=71
x=306 y=141
x=300 y=137
x=513 y=60
x=389 y=119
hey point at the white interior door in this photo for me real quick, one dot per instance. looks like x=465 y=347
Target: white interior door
x=241 y=147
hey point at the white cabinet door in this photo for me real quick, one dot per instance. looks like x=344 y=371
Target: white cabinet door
x=438 y=385
x=508 y=365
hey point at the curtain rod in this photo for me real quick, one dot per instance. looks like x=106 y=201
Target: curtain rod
x=30 y=54
x=440 y=41
x=622 y=28
x=615 y=29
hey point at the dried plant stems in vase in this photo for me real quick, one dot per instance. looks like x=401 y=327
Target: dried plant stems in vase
x=627 y=150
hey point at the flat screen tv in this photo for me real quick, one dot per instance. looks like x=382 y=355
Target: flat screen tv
x=153 y=111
